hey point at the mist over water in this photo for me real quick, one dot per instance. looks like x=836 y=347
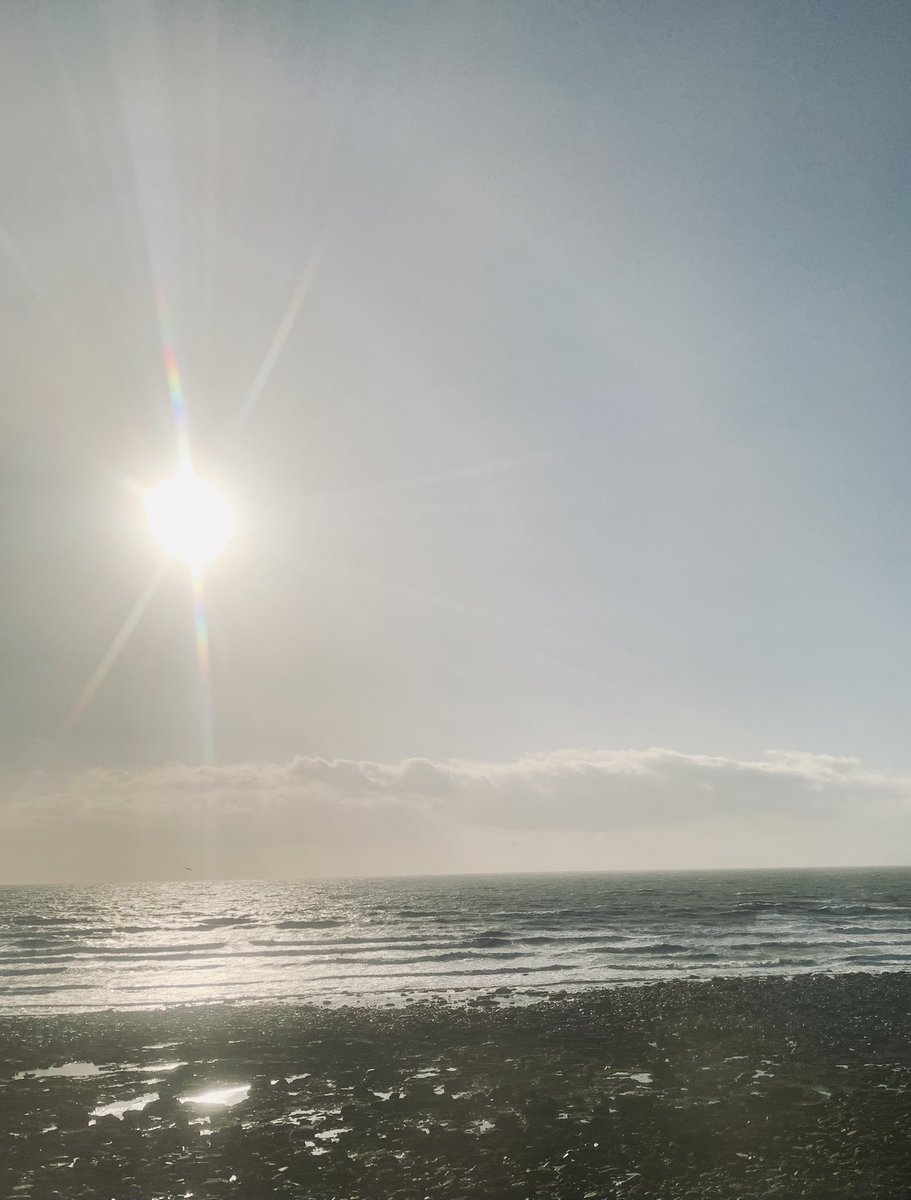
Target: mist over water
x=369 y=941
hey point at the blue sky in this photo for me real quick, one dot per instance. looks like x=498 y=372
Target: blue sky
x=590 y=431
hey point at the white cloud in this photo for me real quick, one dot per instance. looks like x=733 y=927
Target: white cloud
x=335 y=815
x=567 y=789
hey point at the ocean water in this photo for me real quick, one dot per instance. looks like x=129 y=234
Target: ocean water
x=370 y=941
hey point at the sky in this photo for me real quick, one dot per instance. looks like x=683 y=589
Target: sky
x=554 y=359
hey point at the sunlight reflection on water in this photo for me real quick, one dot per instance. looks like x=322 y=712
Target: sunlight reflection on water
x=73 y=1070
x=119 y=1107
x=389 y=941
x=221 y=1097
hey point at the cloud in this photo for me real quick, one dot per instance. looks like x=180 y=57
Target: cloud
x=568 y=789
x=338 y=815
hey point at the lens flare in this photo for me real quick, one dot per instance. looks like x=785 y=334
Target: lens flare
x=190 y=519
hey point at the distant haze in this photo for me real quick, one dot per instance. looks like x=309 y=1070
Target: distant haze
x=554 y=358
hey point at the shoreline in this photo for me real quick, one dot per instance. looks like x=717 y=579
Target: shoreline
x=729 y=1087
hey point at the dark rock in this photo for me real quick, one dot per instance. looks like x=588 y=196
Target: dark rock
x=542 y=1110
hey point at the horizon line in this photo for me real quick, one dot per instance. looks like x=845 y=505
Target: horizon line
x=75 y=883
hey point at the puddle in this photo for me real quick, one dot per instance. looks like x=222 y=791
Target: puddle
x=332 y=1135
x=219 y=1097
x=641 y=1077
x=118 y=1108
x=86 y=1070
x=73 y=1070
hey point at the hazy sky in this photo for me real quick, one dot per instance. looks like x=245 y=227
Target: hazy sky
x=555 y=358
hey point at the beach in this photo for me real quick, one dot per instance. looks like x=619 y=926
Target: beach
x=729 y=1088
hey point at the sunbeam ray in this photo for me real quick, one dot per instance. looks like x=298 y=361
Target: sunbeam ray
x=285 y=325
x=201 y=626
x=11 y=249
x=113 y=652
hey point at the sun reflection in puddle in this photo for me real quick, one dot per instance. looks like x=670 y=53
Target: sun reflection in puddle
x=219 y=1097
x=332 y=1135
x=119 y=1107
x=72 y=1070
x=85 y=1070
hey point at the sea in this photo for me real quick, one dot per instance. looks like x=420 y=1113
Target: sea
x=376 y=941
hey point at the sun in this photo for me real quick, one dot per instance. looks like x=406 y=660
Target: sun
x=189 y=518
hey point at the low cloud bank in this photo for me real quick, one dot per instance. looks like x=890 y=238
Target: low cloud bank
x=347 y=815
x=567 y=789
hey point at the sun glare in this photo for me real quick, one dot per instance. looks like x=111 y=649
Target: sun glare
x=190 y=519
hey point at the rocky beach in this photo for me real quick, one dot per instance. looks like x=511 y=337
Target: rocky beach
x=729 y=1088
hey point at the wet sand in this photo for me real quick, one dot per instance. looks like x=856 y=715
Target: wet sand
x=729 y=1088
